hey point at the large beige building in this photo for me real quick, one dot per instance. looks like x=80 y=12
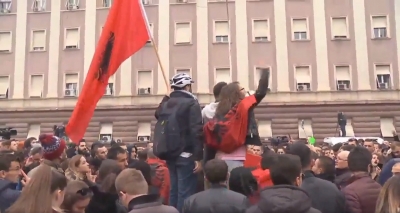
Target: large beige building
x=324 y=55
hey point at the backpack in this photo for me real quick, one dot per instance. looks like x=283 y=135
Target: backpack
x=168 y=143
x=228 y=133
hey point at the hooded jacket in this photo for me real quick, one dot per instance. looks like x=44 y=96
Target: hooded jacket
x=283 y=199
x=8 y=194
x=387 y=171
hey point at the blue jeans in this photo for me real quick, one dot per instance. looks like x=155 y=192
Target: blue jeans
x=183 y=181
x=233 y=164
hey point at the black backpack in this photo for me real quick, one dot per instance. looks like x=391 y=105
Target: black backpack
x=168 y=143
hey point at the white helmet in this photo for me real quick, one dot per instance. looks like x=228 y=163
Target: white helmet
x=180 y=80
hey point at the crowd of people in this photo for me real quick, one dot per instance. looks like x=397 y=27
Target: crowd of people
x=181 y=172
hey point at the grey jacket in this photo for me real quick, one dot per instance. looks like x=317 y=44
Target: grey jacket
x=149 y=203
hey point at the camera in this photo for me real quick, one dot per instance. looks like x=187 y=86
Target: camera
x=6 y=133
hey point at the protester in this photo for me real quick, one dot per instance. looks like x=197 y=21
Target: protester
x=105 y=195
x=389 y=197
x=133 y=194
x=262 y=174
x=362 y=192
x=332 y=202
x=78 y=169
x=324 y=168
x=159 y=176
x=242 y=181
x=376 y=164
x=132 y=153
x=217 y=198
x=181 y=114
x=53 y=150
x=9 y=176
x=119 y=154
x=99 y=151
x=77 y=197
x=285 y=195
x=43 y=193
x=343 y=173
x=142 y=155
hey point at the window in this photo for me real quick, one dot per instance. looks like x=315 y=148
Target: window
x=144 y=131
x=72 y=38
x=257 y=76
x=387 y=127
x=183 y=33
x=107 y=3
x=342 y=77
x=380 y=27
x=33 y=131
x=38 y=5
x=71 y=85
x=72 y=4
x=110 y=87
x=305 y=128
x=339 y=28
x=36 y=86
x=151 y=31
x=303 y=78
x=264 y=128
x=221 y=31
x=5 y=41
x=146 y=2
x=186 y=71
x=383 y=79
x=5 y=6
x=145 y=82
x=300 y=29
x=38 y=40
x=223 y=74
x=260 y=30
x=106 y=132
x=4 y=86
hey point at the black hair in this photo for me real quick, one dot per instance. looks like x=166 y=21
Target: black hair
x=336 y=147
x=28 y=142
x=94 y=147
x=242 y=181
x=5 y=161
x=359 y=159
x=347 y=147
x=217 y=89
x=286 y=169
x=302 y=151
x=114 y=151
x=216 y=171
x=328 y=166
x=268 y=159
x=143 y=167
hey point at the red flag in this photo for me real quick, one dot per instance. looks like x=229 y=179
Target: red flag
x=125 y=32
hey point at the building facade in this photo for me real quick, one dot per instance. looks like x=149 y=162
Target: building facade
x=324 y=56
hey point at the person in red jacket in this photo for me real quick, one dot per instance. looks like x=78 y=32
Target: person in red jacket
x=262 y=174
x=159 y=176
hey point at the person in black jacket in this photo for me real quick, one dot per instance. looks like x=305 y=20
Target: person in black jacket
x=183 y=169
x=218 y=198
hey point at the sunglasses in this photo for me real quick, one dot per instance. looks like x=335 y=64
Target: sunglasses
x=85 y=192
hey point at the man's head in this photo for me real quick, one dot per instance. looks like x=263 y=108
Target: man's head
x=122 y=145
x=353 y=142
x=82 y=148
x=341 y=160
x=257 y=150
x=10 y=167
x=396 y=169
x=324 y=165
x=36 y=154
x=120 y=155
x=267 y=160
x=216 y=171
x=130 y=183
x=5 y=144
x=217 y=90
x=150 y=154
x=346 y=148
x=336 y=148
x=303 y=152
x=100 y=151
x=395 y=146
x=181 y=81
x=369 y=144
x=359 y=159
x=378 y=147
x=142 y=155
x=286 y=170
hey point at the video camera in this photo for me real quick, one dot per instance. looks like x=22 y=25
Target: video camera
x=6 y=133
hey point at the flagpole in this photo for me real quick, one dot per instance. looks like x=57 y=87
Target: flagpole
x=159 y=62
x=229 y=37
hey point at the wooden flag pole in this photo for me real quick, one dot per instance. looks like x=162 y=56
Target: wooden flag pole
x=159 y=62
